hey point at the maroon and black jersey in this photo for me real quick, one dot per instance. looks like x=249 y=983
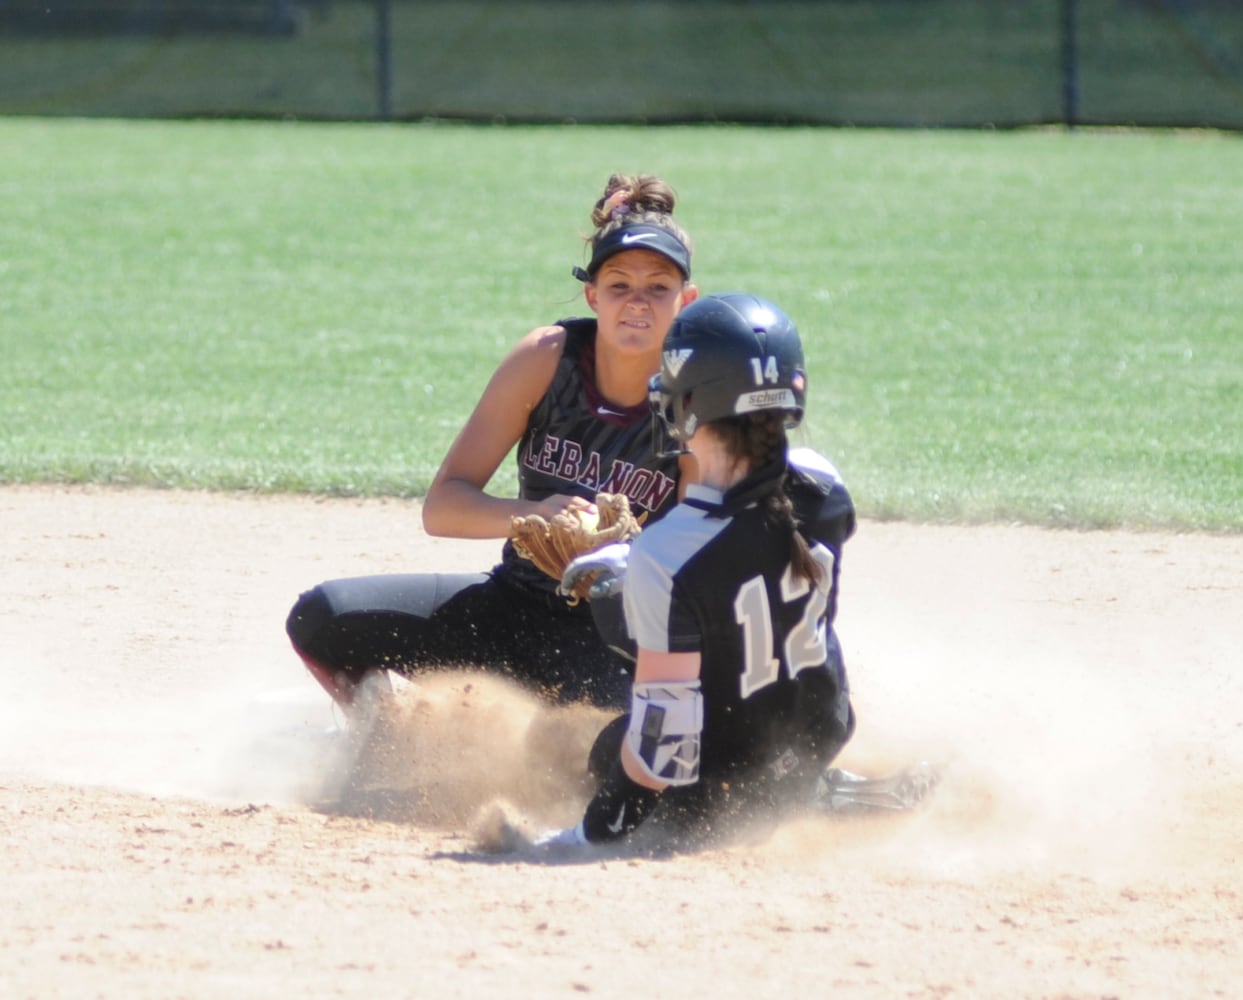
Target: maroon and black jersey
x=579 y=444
x=511 y=620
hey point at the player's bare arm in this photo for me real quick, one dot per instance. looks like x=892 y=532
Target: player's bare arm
x=456 y=504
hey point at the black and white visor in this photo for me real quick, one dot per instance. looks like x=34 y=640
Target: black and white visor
x=640 y=236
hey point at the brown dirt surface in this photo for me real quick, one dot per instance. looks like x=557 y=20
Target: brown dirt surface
x=179 y=823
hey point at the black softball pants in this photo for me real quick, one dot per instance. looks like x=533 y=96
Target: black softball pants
x=412 y=622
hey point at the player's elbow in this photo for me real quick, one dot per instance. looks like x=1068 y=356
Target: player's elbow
x=436 y=520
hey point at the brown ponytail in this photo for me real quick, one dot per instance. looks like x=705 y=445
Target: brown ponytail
x=757 y=440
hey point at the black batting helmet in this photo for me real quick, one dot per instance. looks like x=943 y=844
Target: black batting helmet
x=724 y=356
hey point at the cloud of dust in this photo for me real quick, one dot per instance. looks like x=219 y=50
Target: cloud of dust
x=1053 y=759
x=234 y=738
x=440 y=750
x=451 y=744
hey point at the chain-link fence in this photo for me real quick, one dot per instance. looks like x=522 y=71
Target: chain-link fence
x=863 y=62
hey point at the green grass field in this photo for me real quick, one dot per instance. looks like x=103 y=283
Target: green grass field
x=1032 y=326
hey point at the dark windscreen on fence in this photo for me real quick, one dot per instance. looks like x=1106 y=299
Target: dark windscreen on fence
x=862 y=62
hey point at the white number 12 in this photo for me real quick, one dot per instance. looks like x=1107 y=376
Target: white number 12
x=805 y=646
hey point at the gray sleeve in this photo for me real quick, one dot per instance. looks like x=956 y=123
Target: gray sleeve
x=647 y=595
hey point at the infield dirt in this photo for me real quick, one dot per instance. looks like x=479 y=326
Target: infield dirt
x=163 y=760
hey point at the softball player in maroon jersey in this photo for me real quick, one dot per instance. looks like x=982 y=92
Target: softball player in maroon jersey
x=573 y=398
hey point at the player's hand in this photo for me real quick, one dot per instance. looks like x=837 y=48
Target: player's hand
x=563 y=503
x=604 y=571
x=553 y=545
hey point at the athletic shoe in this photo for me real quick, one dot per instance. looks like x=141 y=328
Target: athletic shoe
x=839 y=790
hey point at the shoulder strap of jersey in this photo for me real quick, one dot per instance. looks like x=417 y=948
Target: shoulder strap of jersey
x=579 y=333
x=578 y=330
